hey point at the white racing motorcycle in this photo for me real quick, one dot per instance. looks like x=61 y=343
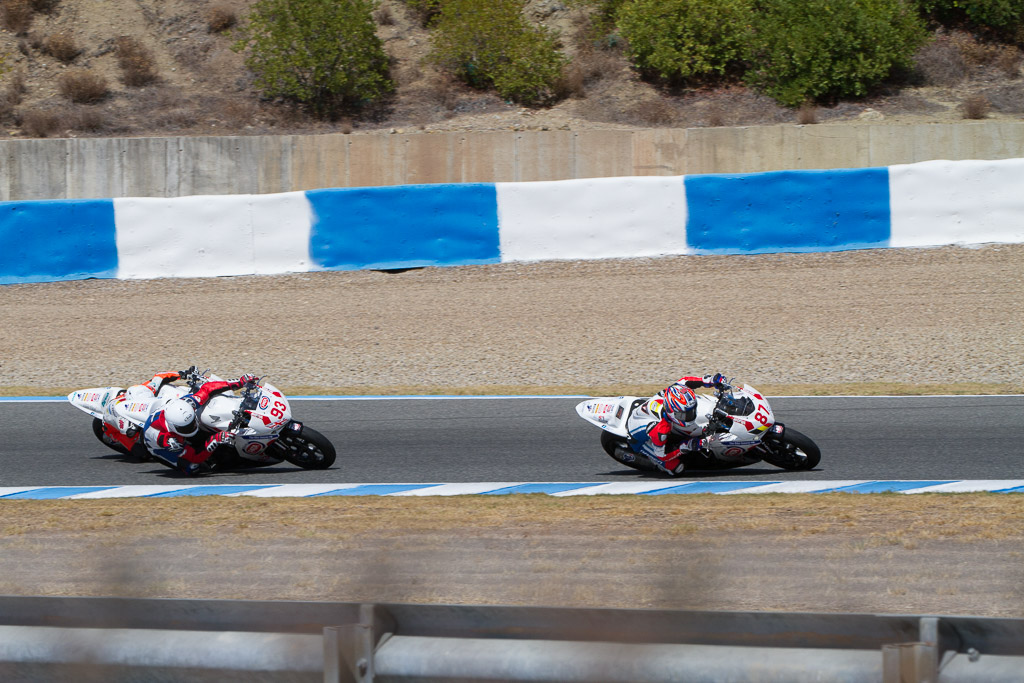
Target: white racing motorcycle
x=259 y=416
x=738 y=422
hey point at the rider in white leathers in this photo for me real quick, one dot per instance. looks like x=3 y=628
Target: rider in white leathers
x=169 y=432
x=672 y=429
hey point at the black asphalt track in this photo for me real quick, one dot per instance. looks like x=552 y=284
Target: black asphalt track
x=543 y=440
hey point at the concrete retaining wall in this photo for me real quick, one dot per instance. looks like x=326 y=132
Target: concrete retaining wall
x=173 y=167
x=930 y=203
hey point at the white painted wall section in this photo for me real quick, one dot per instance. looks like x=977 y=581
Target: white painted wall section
x=956 y=202
x=209 y=236
x=592 y=218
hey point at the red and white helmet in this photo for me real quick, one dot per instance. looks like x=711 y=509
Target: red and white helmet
x=180 y=417
x=680 y=404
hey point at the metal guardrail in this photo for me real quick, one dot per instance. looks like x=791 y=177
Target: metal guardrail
x=335 y=642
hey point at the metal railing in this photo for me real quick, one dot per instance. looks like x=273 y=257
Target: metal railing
x=334 y=642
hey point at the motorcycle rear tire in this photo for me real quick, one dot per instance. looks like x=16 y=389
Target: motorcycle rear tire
x=97 y=429
x=796 y=452
x=610 y=443
x=309 y=450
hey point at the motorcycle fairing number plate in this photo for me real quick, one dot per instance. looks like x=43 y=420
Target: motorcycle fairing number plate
x=271 y=409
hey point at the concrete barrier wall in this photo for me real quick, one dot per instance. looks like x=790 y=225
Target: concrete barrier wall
x=174 y=167
x=930 y=203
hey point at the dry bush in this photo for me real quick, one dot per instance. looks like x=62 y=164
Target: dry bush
x=220 y=18
x=715 y=115
x=88 y=119
x=807 y=114
x=384 y=16
x=138 y=66
x=82 y=87
x=571 y=84
x=975 y=52
x=1008 y=99
x=737 y=106
x=61 y=46
x=43 y=6
x=975 y=107
x=40 y=123
x=16 y=16
x=941 y=63
x=24 y=48
x=345 y=126
x=16 y=88
x=656 y=112
x=438 y=90
x=597 y=64
x=1009 y=61
x=194 y=54
x=175 y=119
x=235 y=113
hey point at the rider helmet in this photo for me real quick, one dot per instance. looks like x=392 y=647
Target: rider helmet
x=680 y=404
x=180 y=417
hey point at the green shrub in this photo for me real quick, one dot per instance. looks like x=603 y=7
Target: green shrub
x=1004 y=18
x=685 y=39
x=324 y=54
x=813 y=50
x=490 y=44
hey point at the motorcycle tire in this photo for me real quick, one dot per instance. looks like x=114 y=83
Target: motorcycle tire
x=795 y=452
x=97 y=429
x=309 y=449
x=611 y=443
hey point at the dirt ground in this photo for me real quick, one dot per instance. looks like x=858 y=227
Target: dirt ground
x=876 y=321
x=884 y=321
x=914 y=554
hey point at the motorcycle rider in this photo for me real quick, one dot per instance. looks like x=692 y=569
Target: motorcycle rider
x=168 y=431
x=673 y=429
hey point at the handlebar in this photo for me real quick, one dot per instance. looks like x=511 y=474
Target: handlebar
x=249 y=401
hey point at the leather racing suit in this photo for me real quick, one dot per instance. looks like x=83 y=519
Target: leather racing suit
x=670 y=440
x=173 y=449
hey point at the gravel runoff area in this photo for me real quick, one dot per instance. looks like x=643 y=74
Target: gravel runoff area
x=947 y=319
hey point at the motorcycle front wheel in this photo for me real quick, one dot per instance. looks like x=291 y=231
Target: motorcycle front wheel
x=309 y=449
x=794 y=452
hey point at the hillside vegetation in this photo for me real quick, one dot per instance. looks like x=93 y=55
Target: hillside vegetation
x=244 y=67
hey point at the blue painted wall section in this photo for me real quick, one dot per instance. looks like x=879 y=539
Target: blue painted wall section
x=788 y=211
x=404 y=226
x=45 y=241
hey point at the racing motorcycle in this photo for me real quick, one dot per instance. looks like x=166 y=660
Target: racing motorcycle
x=738 y=422
x=259 y=416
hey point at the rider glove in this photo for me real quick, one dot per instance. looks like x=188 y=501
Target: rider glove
x=220 y=438
x=243 y=380
x=716 y=380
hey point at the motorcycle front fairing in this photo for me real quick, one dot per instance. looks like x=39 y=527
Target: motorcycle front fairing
x=270 y=414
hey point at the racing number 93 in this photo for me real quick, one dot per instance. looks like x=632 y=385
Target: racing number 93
x=278 y=410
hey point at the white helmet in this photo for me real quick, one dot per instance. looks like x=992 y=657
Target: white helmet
x=180 y=417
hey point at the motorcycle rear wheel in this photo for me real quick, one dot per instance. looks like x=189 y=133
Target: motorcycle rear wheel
x=309 y=449
x=97 y=429
x=611 y=443
x=795 y=452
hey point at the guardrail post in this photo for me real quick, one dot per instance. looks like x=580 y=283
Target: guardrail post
x=916 y=662
x=348 y=649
